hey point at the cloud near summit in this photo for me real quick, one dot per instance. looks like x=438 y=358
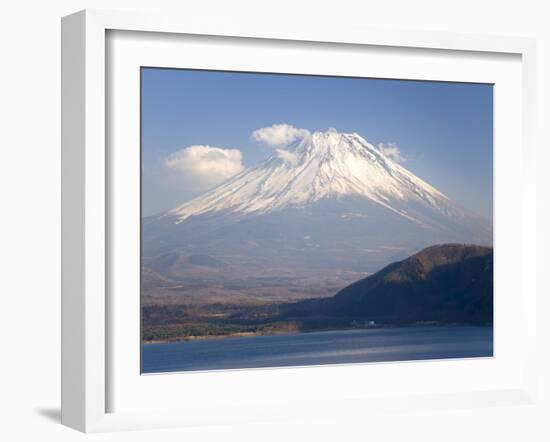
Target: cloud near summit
x=204 y=165
x=279 y=135
x=392 y=152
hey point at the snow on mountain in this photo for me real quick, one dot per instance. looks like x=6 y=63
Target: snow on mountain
x=324 y=165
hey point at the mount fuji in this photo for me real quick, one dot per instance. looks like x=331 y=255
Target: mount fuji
x=329 y=203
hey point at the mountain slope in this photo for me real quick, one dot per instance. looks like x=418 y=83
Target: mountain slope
x=444 y=283
x=324 y=165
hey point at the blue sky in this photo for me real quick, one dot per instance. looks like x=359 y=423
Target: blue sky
x=443 y=130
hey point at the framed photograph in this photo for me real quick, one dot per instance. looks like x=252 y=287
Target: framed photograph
x=250 y=212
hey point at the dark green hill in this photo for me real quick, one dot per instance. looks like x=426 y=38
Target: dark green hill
x=451 y=283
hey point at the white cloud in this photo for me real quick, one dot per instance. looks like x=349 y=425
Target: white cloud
x=279 y=134
x=287 y=156
x=205 y=166
x=391 y=151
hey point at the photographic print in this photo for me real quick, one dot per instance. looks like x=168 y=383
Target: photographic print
x=297 y=220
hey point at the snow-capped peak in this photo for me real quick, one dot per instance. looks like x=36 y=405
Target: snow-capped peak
x=321 y=165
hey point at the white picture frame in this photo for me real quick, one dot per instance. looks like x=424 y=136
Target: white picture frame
x=87 y=208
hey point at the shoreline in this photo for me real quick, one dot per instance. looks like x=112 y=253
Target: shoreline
x=209 y=337
x=252 y=334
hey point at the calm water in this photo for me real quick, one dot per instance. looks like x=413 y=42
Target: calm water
x=330 y=347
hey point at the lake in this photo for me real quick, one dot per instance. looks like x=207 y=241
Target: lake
x=317 y=348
